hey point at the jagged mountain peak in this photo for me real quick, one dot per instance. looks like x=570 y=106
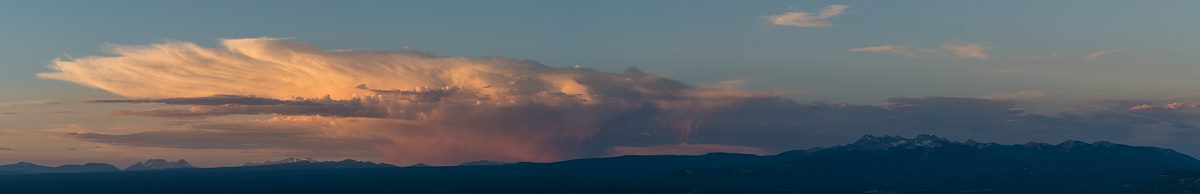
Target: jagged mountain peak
x=25 y=164
x=888 y=142
x=1073 y=143
x=309 y=163
x=288 y=160
x=927 y=141
x=159 y=164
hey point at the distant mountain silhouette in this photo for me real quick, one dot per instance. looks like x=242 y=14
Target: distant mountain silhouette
x=873 y=164
x=284 y=161
x=158 y=164
x=482 y=163
x=30 y=168
x=420 y=165
x=309 y=163
x=931 y=164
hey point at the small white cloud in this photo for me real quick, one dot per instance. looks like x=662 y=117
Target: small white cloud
x=978 y=51
x=972 y=50
x=1101 y=53
x=808 y=20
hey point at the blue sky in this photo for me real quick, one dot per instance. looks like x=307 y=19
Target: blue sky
x=1046 y=57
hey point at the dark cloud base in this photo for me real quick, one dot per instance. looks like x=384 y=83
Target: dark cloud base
x=774 y=124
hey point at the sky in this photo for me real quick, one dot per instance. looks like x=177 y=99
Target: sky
x=227 y=82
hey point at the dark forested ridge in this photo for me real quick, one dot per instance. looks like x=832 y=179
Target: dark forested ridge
x=887 y=164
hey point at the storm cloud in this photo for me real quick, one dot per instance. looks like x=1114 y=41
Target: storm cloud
x=415 y=107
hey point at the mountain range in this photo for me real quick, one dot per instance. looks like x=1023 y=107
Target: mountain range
x=284 y=161
x=309 y=163
x=159 y=164
x=30 y=168
x=873 y=164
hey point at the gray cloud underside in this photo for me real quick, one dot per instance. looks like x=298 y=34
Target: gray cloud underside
x=779 y=124
x=222 y=105
x=300 y=139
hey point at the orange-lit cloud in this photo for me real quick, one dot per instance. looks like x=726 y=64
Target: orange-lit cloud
x=284 y=69
x=411 y=107
x=418 y=107
x=808 y=20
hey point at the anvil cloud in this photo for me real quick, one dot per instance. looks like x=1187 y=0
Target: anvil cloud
x=415 y=107
x=432 y=108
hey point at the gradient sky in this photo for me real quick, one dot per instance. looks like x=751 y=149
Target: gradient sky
x=1044 y=57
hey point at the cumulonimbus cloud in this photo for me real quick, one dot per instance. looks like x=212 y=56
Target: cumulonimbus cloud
x=977 y=51
x=414 y=107
x=808 y=20
x=485 y=108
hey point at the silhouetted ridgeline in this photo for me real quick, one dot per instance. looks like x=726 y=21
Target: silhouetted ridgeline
x=887 y=164
x=30 y=168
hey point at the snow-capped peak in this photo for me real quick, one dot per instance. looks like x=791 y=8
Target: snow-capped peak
x=158 y=164
x=289 y=160
x=889 y=142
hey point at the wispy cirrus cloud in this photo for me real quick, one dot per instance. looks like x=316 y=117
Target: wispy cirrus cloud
x=971 y=50
x=808 y=20
x=977 y=51
x=1101 y=53
x=27 y=102
x=1165 y=106
x=893 y=50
